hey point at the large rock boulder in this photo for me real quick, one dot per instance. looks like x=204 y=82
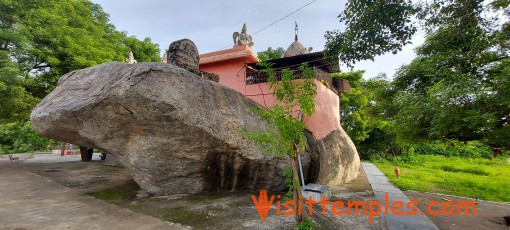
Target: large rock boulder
x=338 y=158
x=177 y=132
x=174 y=131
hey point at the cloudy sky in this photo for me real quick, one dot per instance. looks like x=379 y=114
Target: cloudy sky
x=210 y=25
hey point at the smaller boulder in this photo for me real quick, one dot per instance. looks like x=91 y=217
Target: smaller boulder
x=183 y=53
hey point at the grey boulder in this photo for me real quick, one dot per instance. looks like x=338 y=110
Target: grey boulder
x=177 y=132
x=174 y=131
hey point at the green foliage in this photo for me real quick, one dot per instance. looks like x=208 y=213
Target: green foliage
x=285 y=135
x=143 y=51
x=290 y=182
x=352 y=106
x=306 y=224
x=364 y=113
x=50 y=38
x=472 y=149
x=270 y=54
x=42 y=40
x=373 y=28
x=457 y=87
x=21 y=138
x=470 y=177
x=16 y=102
x=295 y=95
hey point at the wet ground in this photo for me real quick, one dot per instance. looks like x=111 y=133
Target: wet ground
x=31 y=201
x=215 y=210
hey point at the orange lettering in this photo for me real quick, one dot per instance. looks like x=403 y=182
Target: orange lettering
x=395 y=206
x=262 y=205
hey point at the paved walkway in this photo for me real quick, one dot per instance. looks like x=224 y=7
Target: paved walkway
x=29 y=201
x=382 y=186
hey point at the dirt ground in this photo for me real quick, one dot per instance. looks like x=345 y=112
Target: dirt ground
x=30 y=201
x=489 y=215
x=227 y=210
x=215 y=210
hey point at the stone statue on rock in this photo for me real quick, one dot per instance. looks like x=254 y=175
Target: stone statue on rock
x=184 y=53
x=131 y=58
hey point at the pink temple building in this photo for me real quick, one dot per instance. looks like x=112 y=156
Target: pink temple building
x=237 y=69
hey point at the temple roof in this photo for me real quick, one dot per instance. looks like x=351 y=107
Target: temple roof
x=296 y=48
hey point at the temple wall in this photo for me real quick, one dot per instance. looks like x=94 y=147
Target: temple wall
x=230 y=66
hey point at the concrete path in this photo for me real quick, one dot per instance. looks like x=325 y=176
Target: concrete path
x=29 y=201
x=382 y=186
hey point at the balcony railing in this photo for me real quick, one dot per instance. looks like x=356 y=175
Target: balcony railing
x=254 y=76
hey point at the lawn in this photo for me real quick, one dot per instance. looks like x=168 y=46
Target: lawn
x=476 y=178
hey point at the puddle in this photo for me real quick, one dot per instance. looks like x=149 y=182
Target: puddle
x=213 y=210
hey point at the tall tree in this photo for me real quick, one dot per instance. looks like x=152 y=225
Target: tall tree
x=42 y=40
x=366 y=106
x=16 y=102
x=372 y=28
x=453 y=89
x=50 y=38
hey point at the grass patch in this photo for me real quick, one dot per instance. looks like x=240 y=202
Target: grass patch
x=117 y=193
x=474 y=171
x=186 y=216
x=475 y=178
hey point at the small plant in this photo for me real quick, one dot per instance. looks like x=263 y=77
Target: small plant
x=307 y=224
x=290 y=182
x=285 y=135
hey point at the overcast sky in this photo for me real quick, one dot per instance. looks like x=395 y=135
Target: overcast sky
x=210 y=25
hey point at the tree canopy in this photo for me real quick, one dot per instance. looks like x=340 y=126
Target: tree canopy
x=457 y=87
x=372 y=28
x=270 y=53
x=42 y=40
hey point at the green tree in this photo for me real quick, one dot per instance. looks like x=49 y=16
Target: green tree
x=50 y=38
x=285 y=136
x=352 y=106
x=372 y=28
x=16 y=102
x=365 y=113
x=270 y=54
x=454 y=88
x=42 y=40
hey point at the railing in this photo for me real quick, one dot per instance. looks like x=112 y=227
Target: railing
x=255 y=77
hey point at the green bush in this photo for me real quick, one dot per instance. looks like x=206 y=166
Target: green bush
x=472 y=149
x=20 y=137
x=470 y=177
x=383 y=146
x=306 y=224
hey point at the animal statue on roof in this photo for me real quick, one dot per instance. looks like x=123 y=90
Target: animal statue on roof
x=242 y=38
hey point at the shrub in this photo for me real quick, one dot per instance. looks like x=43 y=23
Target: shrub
x=306 y=224
x=20 y=137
